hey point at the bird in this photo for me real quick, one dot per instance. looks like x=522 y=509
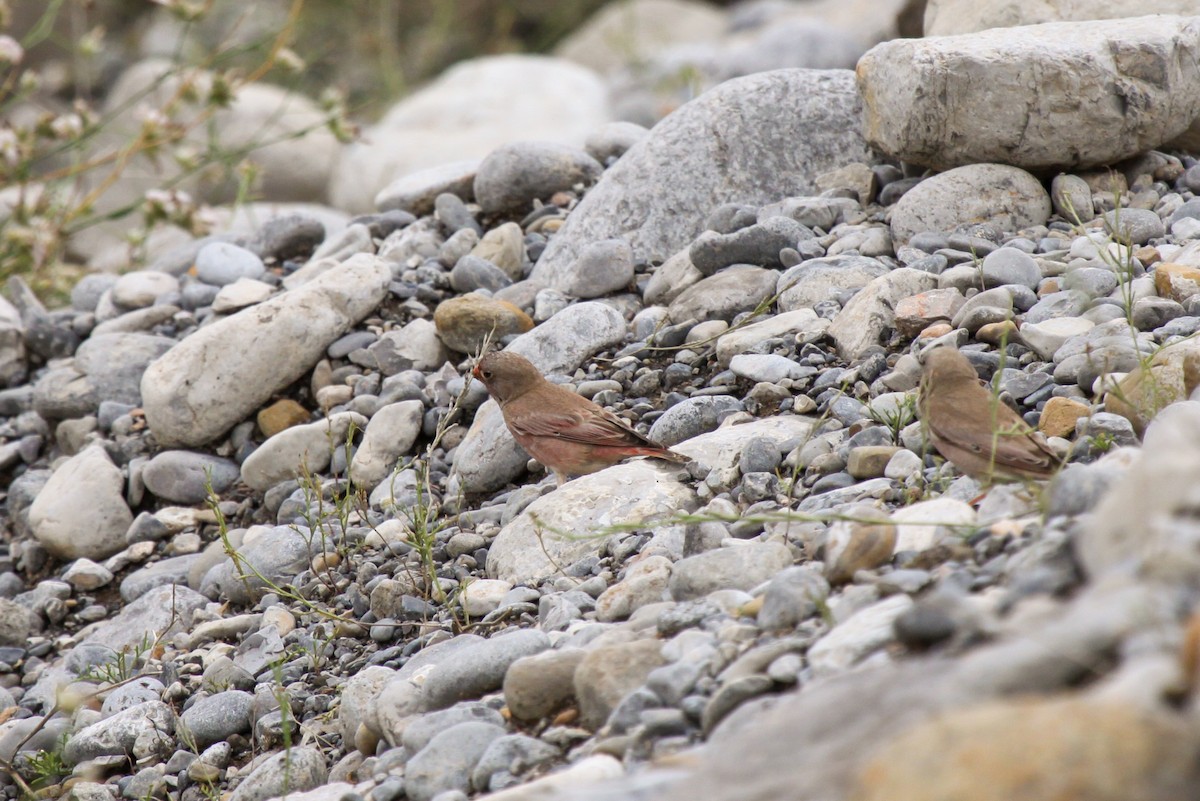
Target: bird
x=566 y=432
x=973 y=429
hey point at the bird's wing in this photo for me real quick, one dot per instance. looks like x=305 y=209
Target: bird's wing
x=1013 y=442
x=581 y=425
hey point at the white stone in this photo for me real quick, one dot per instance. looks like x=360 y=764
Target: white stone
x=1034 y=96
x=865 y=631
x=299 y=449
x=870 y=313
x=949 y=17
x=574 y=521
x=481 y=596
x=240 y=294
x=85 y=575
x=389 y=435
x=1008 y=197
x=223 y=372
x=140 y=288
x=466 y=113
x=921 y=525
x=1046 y=337
x=81 y=511
x=790 y=323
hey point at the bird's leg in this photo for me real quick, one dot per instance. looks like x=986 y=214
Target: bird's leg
x=560 y=477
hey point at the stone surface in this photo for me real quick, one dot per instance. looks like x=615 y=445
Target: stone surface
x=932 y=101
x=221 y=373
x=81 y=511
x=466 y=113
x=465 y=323
x=568 y=524
x=1005 y=196
x=734 y=143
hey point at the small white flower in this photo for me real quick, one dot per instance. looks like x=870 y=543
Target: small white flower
x=11 y=51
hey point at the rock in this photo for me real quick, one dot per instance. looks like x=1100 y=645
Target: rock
x=466 y=113
x=221 y=263
x=533 y=545
x=792 y=323
x=141 y=287
x=293 y=770
x=869 y=315
x=465 y=323
x=815 y=280
x=602 y=268
x=1059 y=416
x=723 y=296
x=512 y=176
x=472 y=273
x=214 y=718
x=186 y=477
x=539 y=685
x=917 y=312
x=792 y=596
x=691 y=418
x=1072 y=198
x=737 y=142
x=480 y=668
x=608 y=673
x=274 y=555
x=758 y=244
x=281 y=414
x=1045 y=338
x=644 y=582
x=16 y=624
x=160 y=610
x=947 y=17
x=1034 y=748
x=12 y=345
x=416 y=346
x=144 y=730
x=671 y=278
x=81 y=511
x=389 y=435
x=212 y=380
x=1090 y=68
x=504 y=247
x=415 y=192
x=508 y=757
x=1136 y=226
x=766 y=367
x=115 y=363
x=632 y=34
x=446 y=763
x=1176 y=281
x=297 y=450
x=488 y=457
x=735 y=567
x=613 y=139
x=240 y=294
x=919 y=526
x=1170 y=375
x=1004 y=196
x=865 y=631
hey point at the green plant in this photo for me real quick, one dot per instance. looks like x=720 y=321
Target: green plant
x=68 y=170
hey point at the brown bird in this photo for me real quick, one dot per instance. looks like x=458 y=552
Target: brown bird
x=566 y=432
x=973 y=429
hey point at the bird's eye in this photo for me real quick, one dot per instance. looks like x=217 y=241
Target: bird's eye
x=487 y=374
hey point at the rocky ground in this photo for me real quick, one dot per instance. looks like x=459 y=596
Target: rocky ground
x=264 y=536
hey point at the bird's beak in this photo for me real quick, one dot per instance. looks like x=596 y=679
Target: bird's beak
x=475 y=372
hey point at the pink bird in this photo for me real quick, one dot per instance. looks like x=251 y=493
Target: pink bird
x=566 y=432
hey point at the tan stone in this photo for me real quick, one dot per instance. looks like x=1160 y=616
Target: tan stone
x=465 y=322
x=504 y=247
x=870 y=546
x=280 y=415
x=1059 y=416
x=997 y=333
x=868 y=461
x=1176 y=281
x=608 y=673
x=936 y=330
x=917 y=312
x=1171 y=375
x=1039 y=749
x=1147 y=255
